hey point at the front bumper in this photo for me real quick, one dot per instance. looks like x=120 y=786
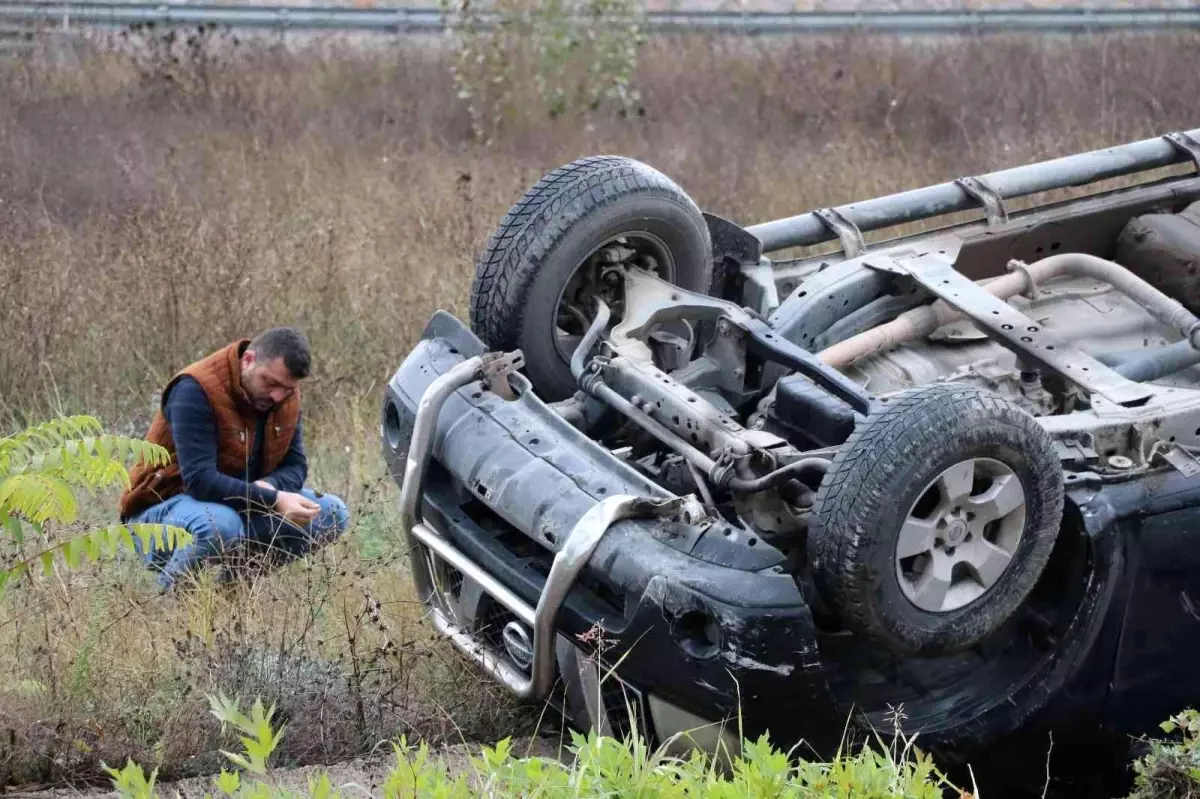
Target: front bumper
x=703 y=621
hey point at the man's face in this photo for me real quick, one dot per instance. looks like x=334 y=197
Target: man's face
x=266 y=383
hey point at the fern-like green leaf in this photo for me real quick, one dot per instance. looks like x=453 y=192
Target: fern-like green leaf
x=92 y=462
x=157 y=536
x=49 y=434
x=123 y=538
x=7 y=576
x=73 y=552
x=40 y=469
x=38 y=497
x=13 y=525
x=97 y=545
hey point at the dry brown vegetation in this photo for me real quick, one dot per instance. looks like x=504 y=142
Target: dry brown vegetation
x=152 y=210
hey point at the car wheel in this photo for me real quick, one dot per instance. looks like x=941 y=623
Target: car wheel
x=936 y=518
x=556 y=249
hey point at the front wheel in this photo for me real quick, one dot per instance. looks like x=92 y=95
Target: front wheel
x=563 y=245
x=936 y=518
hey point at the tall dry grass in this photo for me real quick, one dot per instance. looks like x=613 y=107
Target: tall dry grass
x=153 y=209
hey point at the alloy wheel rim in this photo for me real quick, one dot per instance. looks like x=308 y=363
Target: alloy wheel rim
x=960 y=536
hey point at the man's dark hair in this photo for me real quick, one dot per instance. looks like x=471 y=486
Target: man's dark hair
x=287 y=343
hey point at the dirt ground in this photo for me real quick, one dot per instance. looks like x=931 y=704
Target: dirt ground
x=364 y=775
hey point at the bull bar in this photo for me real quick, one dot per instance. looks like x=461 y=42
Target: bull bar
x=425 y=543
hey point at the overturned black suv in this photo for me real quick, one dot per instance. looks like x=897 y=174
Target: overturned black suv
x=951 y=474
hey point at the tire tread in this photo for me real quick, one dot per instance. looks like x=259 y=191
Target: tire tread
x=516 y=250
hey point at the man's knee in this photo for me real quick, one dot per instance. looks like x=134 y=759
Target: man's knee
x=333 y=518
x=208 y=523
x=213 y=529
x=219 y=523
x=212 y=526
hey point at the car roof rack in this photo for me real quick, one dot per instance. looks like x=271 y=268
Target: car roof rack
x=848 y=222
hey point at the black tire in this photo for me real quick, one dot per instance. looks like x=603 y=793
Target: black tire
x=959 y=703
x=553 y=229
x=876 y=479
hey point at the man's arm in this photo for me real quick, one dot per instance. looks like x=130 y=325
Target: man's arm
x=195 y=432
x=293 y=469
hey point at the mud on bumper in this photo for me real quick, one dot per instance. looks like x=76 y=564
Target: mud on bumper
x=703 y=620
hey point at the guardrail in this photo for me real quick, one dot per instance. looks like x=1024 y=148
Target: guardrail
x=400 y=20
x=15 y=38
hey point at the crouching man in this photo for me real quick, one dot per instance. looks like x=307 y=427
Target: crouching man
x=231 y=421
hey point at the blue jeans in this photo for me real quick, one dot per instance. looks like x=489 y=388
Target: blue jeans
x=218 y=530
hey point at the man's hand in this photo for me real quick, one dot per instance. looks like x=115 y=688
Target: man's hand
x=296 y=508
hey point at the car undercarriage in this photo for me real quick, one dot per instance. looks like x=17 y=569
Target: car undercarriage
x=943 y=477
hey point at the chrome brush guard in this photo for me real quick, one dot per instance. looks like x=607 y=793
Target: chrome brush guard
x=427 y=546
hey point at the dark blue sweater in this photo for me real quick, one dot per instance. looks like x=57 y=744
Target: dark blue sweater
x=194 y=430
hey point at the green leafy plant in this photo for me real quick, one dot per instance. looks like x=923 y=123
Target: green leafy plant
x=600 y=766
x=416 y=773
x=1171 y=769
x=259 y=738
x=42 y=466
x=131 y=782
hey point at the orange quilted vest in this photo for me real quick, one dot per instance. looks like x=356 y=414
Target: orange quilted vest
x=220 y=376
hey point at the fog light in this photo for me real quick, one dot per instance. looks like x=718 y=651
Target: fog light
x=391 y=426
x=698 y=634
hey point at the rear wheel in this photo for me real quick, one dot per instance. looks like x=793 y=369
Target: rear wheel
x=563 y=245
x=936 y=518
x=962 y=701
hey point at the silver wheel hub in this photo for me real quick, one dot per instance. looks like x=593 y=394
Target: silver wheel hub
x=960 y=535
x=956 y=532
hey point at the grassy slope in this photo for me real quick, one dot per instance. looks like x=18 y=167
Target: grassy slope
x=151 y=211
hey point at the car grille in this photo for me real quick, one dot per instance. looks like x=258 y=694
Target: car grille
x=539 y=559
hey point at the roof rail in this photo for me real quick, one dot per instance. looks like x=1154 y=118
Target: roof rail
x=990 y=190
